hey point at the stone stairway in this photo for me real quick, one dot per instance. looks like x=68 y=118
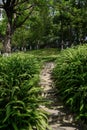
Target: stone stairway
x=59 y=117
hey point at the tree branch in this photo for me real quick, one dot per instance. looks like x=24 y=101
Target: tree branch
x=4 y=2
x=21 y=23
x=19 y=3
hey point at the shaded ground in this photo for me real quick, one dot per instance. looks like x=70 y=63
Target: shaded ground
x=59 y=117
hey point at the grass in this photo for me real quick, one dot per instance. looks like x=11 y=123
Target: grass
x=48 y=54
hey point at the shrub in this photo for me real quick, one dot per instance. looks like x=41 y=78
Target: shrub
x=70 y=76
x=20 y=95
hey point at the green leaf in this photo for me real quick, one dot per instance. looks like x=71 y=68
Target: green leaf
x=15 y=126
x=81 y=107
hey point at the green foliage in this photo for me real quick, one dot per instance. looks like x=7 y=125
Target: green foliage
x=50 y=23
x=70 y=75
x=49 y=54
x=20 y=95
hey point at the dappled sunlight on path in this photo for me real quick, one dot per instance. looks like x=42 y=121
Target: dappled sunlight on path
x=59 y=117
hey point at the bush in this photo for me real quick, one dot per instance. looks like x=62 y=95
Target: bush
x=70 y=76
x=20 y=95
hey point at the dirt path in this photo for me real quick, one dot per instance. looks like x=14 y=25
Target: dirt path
x=59 y=119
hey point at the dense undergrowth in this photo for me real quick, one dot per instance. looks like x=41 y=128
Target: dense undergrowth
x=70 y=76
x=20 y=95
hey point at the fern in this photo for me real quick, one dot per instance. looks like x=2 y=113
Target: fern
x=70 y=77
x=20 y=94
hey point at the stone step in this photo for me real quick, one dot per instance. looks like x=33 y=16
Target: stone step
x=58 y=118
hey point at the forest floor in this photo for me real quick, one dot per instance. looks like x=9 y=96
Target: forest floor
x=59 y=117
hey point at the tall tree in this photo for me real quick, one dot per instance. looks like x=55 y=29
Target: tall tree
x=70 y=17
x=17 y=12
x=38 y=27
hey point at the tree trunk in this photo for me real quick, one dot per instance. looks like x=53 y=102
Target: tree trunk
x=7 y=41
x=62 y=37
